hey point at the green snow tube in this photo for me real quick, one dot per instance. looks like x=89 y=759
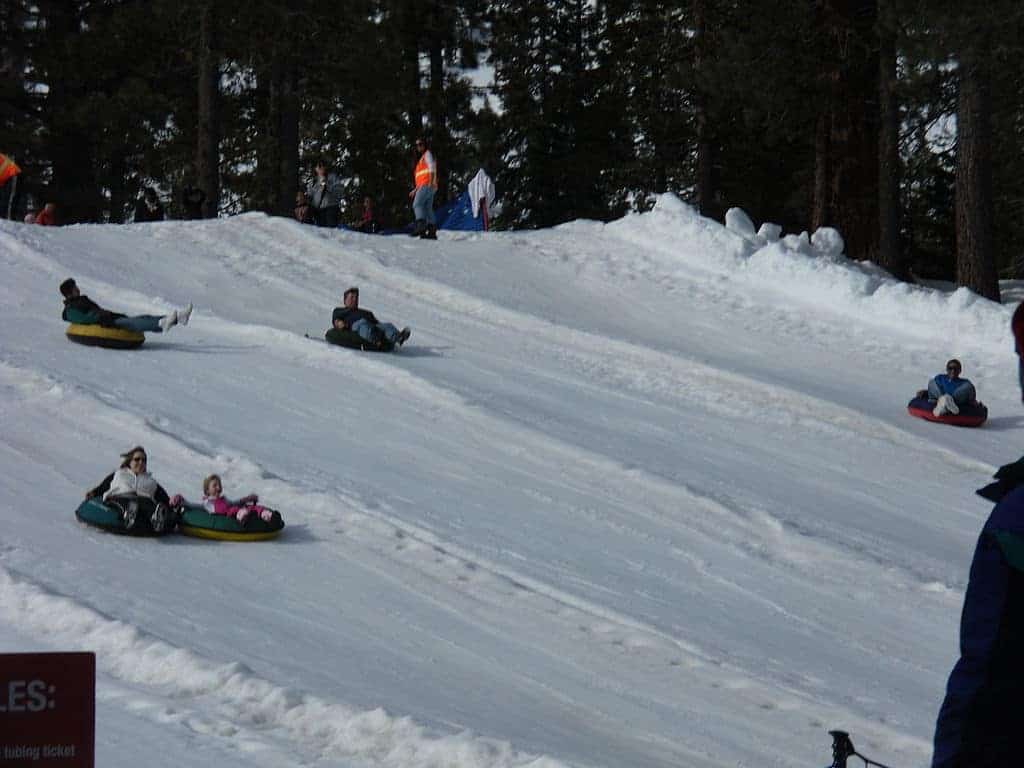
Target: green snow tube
x=127 y=515
x=196 y=521
x=353 y=340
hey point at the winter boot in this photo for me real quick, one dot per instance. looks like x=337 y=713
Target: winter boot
x=429 y=232
x=161 y=518
x=168 y=321
x=418 y=228
x=130 y=514
x=403 y=336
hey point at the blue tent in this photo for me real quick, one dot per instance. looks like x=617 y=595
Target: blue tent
x=458 y=216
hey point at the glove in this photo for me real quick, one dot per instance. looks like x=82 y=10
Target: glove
x=176 y=501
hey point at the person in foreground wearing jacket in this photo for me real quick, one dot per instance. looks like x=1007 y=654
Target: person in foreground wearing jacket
x=978 y=721
x=84 y=311
x=362 y=321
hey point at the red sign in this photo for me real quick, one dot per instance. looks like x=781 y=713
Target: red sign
x=47 y=710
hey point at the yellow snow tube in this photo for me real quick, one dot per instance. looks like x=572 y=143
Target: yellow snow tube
x=102 y=336
x=209 y=533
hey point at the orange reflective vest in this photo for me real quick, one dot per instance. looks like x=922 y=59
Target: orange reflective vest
x=424 y=173
x=7 y=169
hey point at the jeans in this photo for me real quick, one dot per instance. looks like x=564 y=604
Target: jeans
x=423 y=204
x=365 y=329
x=150 y=323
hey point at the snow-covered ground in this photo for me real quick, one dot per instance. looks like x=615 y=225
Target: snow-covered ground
x=639 y=495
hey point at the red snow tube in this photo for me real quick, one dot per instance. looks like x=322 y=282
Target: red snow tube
x=973 y=415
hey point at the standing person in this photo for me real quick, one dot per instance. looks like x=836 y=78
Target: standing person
x=368 y=221
x=303 y=210
x=192 y=200
x=82 y=310
x=977 y=724
x=9 y=186
x=48 y=216
x=148 y=207
x=324 y=196
x=422 y=194
x=363 y=322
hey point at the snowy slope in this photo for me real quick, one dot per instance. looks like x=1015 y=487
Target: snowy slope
x=641 y=494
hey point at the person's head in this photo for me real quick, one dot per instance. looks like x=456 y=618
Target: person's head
x=134 y=459
x=321 y=168
x=953 y=368
x=368 y=203
x=421 y=144
x=69 y=288
x=351 y=297
x=212 y=486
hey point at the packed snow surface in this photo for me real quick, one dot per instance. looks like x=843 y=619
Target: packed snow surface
x=636 y=495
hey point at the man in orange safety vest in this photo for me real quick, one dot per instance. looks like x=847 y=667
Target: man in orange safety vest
x=422 y=194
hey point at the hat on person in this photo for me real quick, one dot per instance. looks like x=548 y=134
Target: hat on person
x=68 y=286
x=352 y=289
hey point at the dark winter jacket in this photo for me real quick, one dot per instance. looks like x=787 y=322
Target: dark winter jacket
x=148 y=211
x=192 y=200
x=160 y=496
x=978 y=721
x=85 y=311
x=350 y=316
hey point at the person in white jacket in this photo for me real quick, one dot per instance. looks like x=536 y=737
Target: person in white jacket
x=133 y=479
x=132 y=482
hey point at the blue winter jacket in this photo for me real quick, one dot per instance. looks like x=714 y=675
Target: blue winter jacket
x=962 y=389
x=979 y=722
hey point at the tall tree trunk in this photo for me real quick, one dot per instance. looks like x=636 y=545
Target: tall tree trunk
x=208 y=129
x=821 y=211
x=890 y=255
x=828 y=78
x=284 y=99
x=118 y=187
x=975 y=257
x=705 y=155
x=438 y=113
x=853 y=161
x=73 y=186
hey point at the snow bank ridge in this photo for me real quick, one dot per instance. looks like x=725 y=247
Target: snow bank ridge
x=328 y=729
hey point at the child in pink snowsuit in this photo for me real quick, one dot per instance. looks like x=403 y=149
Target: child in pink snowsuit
x=215 y=503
